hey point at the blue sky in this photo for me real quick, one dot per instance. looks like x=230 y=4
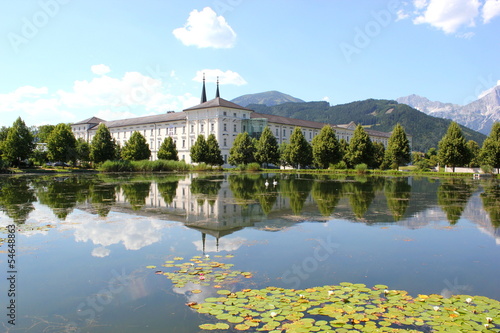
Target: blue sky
x=67 y=60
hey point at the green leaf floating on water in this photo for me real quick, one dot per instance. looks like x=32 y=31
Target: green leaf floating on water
x=346 y=307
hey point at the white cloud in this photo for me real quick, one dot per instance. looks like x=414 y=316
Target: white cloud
x=101 y=252
x=224 y=244
x=326 y=99
x=100 y=69
x=419 y=4
x=491 y=9
x=227 y=77
x=206 y=29
x=449 y=15
x=401 y=15
x=134 y=94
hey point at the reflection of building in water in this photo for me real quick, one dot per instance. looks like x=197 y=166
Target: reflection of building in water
x=218 y=213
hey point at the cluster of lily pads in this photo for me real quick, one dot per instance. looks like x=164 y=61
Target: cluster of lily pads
x=201 y=271
x=345 y=307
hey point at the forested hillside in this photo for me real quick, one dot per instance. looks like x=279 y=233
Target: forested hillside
x=380 y=115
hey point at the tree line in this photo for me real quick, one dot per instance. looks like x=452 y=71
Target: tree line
x=18 y=144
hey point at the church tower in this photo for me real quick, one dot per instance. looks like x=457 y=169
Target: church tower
x=203 y=92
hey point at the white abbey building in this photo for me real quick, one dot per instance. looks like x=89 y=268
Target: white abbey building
x=217 y=116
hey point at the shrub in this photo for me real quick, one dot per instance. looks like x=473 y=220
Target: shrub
x=339 y=166
x=361 y=168
x=253 y=167
x=487 y=168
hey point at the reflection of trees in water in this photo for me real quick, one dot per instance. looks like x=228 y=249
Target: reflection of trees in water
x=16 y=198
x=168 y=190
x=136 y=193
x=453 y=195
x=267 y=201
x=102 y=197
x=61 y=194
x=297 y=189
x=397 y=192
x=361 y=195
x=491 y=202
x=246 y=187
x=209 y=186
x=327 y=194
x=204 y=187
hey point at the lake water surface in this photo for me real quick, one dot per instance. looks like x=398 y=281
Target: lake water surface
x=83 y=242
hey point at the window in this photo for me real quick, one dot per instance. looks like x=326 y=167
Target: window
x=284 y=132
x=183 y=129
x=234 y=114
x=234 y=129
x=212 y=127
x=244 y=115
x=201 y=127
x=277 y=132
x=225 y=113
x=144 y=132
x=192 y=142
x=225 y=158
x=159 y=131
x=244 y=128
x=225 y=127
x=152 y=132
x=175 y=130
x=118 y=135
x=183 y=146
x=192 y=128
x=225 y=142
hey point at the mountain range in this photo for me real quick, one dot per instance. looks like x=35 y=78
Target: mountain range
x=268 y=98
x=380 y=115
x=478 y=115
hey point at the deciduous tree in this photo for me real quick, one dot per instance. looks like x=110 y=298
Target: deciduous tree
x=167 y=150
x=398 y=148
x=214 y=155
x=267 y=150
x=326 y=148
x=18 y=144
x=299 y=151
x=199 y=151
x=102 y=147
x=360 y=149
x=490 y=152
x=61 y=144
x=242 y=151
x=453 y=149
x=136 y=148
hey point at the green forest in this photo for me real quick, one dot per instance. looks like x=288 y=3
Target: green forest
x=380 y=115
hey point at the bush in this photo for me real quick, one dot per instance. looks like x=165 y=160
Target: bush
x=253 y=167
x=144 y=166
x=339 y=166
x=487 y=168
x=361 y=168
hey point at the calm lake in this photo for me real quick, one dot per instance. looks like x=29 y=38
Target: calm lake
x=83 y=242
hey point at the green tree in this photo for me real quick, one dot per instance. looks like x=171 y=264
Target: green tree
x=102 y=147
x=326 y=148
x=214 y=155
x=19 y=143
x=490 y=152
x=299 y=151
x=475 y=153
x=360 y=149
x=378 y=155
x=43 y=132
x=136 y=148
x=398 y=148
x=242 y=151
x=199 y=151
x=453 y=149
x=284 y=156
x=167 y=150
x=267 y=150
x=82 y=150
x=61 y=144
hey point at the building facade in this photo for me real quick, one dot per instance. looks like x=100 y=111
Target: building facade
x=218 y=116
